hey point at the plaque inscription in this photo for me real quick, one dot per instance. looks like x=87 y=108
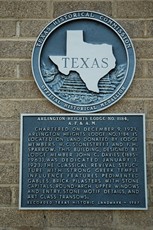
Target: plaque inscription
x=83 y=61
x=83 y=162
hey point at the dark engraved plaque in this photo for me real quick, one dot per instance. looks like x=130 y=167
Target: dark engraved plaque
x=83 y=61
x=83 y=162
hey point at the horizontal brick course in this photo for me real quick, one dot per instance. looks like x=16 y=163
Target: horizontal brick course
x=13 y=109
x=149 y=28
x=8 y=69
x=140 y=219
x=151 y=194
x=5 y=196
x=25 y=69
x=7 y=29
x=149 y=126
x=15 y=69
x=61 y=7
x=23 y=9
x=9 y=174
x=143 y=48
x=141 y=89
x=15 y=196
x=16 y=49
x=76 y=219
x=140 y=69
x=149 y=109
x=126 y=106
x=150 y=152
x=19 y=89
x=8 y=152
x=134 y=28
x=11 y=217
x=32 y=28
x=134 y=9
x=10 y=130
x=149 y=174
x=149 y=68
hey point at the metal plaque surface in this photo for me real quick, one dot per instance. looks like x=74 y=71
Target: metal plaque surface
x=83 y=61
x=83 y=162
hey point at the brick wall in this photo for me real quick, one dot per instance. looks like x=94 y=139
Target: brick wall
x=20 y=23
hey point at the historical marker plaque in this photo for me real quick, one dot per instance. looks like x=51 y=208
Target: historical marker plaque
x=83 y=162
x=83 y=61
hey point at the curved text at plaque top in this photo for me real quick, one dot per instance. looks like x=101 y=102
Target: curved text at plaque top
x=83 y=62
